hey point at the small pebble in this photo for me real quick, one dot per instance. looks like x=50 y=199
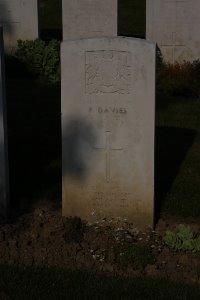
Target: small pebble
x=101 y=259
x=129 y=237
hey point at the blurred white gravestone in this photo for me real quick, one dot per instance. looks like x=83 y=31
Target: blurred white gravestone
x=4 y=201
x=108 y=112
x=20 y=21
x=86 y=18
x=174 y=26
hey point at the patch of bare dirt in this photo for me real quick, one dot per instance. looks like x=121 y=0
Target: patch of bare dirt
x=44 y=237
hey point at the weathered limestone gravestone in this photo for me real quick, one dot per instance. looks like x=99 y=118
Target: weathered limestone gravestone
x=86 y=18
x=174 y=26
x=108 y=100
x=108 y=95
x=20 y=21
x=3 y=139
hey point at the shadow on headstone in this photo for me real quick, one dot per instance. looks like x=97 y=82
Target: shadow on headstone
x=79 y=140
x=172 y=145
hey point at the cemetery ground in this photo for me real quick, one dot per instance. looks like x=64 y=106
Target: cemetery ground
x=65 y=257
x=46 y=256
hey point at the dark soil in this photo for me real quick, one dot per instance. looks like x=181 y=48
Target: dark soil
x=44 y=237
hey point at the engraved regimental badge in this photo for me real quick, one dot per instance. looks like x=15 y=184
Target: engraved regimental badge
x=107 y=71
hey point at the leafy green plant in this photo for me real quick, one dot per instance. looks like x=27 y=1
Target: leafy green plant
x=51 y=60
x=40 y=58
x=31 y=53
x=182 y=238
x=136 y=255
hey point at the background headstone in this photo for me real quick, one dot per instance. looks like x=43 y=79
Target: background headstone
x=86 y=18
x=108 y=103
x=4 y=201
x=19 y=19
x=174 y=26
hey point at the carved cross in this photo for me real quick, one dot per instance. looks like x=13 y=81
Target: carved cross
x=173 y=46
x=108 y=150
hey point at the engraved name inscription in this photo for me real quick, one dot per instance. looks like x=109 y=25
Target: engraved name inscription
x=107 y=71
x=112 y=110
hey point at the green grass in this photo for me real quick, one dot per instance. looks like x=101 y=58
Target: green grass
x=43 y=283
x=178 y=161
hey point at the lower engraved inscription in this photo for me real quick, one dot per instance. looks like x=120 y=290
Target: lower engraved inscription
x=107 y=199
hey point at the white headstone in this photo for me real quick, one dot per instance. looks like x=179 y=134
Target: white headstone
x=20 y=21
x=4 y=202
x=174 y=26
x=108 y=112
x=86 y=18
